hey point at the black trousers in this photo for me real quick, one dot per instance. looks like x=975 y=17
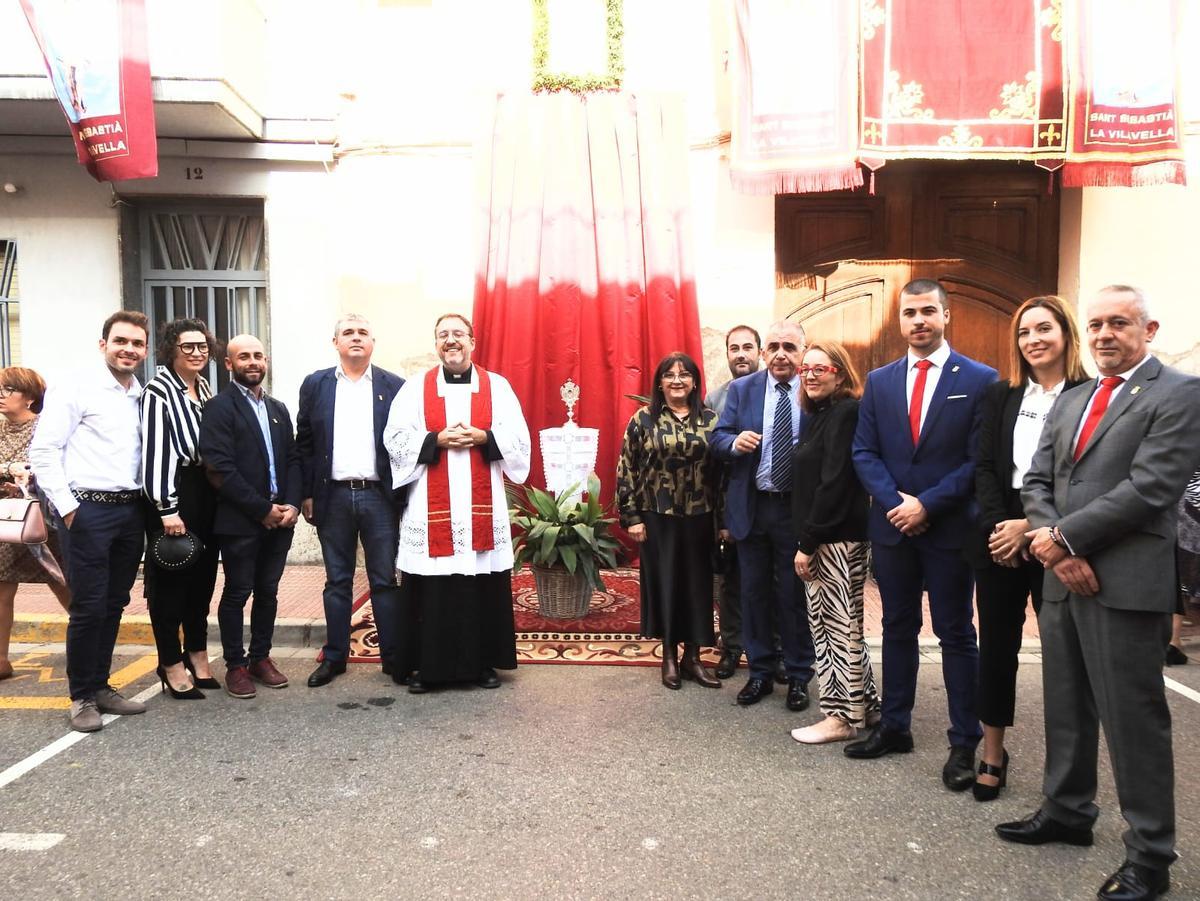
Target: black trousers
x=182 y=598
x=253 y=565
x=1001 y=594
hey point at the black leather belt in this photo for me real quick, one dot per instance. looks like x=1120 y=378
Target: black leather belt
x=356 y=484
x=106 y=497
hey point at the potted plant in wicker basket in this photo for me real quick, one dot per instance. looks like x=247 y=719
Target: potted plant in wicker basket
x=565 y=542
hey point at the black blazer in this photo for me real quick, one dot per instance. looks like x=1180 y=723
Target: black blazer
x=828 y=500
x=314 y=431
x=235 y=457
x=994 y=494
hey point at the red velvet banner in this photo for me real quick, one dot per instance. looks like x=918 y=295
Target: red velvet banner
x=1124 y=128
x=97 y=58
x=962 y=79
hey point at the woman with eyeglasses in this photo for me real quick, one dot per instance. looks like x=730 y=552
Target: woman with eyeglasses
x=1044 y=361
x=21 y=394
x=174 y=481
x=667 y=496
x=829 y=515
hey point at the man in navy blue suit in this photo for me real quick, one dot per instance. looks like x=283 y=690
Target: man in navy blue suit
x=756 y=432
x=914 y=451
x=348 y=488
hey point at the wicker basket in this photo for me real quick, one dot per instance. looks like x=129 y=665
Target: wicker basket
x=561 y=595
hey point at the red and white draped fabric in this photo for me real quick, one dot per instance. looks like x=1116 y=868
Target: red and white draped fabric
x=98 y=60
x=796 y=81
x=585 y=255
x=1124 y=129
x=962 y=79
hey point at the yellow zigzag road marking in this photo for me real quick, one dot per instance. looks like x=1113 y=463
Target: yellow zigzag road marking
x=122 y=677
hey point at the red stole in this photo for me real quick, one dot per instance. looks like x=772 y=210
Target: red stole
x=441 y=542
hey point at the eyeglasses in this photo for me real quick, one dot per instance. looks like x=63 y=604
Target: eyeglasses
x=7 y=390
x=817 y=371
x=677 y=376
x=193 y=347
x=457 y=335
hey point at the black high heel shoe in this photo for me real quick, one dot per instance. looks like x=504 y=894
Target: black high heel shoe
x=207 y=682
x=190 y=694
x=991 y=792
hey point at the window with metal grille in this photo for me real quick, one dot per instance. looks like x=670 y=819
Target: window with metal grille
x=10 y=328
x=206 y=263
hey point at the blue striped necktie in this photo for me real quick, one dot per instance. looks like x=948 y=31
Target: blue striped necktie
x=781 y=440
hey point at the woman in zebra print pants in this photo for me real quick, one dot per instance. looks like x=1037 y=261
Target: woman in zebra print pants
x=829 y=515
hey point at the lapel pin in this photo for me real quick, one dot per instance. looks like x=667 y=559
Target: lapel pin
x=955 y=369
x=1136 y=389
x=276 y=421
x=381 y=397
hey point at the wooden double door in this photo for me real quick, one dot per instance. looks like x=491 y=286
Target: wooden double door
x=988 y=232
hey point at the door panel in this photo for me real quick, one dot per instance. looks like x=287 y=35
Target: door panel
x=988 y=232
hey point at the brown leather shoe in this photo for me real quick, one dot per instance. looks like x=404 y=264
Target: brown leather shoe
x=693 y=669
x=238 y=684
x=266 y=672
x=670 y=667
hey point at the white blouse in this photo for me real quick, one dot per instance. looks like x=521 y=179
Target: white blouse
x=1027 y=431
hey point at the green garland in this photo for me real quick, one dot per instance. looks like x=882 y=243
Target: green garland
x=544 y=80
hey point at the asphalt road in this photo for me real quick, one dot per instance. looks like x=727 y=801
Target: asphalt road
x=569 y=781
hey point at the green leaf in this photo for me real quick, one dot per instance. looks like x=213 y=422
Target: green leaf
x=587 y=533
x=568 y=557
x=549 y=536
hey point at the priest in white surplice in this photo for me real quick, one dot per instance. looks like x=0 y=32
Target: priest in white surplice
x=452 y=435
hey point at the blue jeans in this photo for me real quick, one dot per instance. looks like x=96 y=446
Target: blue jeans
x=347 y=515
x=252 y=564
x=101 y=552
x=772 y=594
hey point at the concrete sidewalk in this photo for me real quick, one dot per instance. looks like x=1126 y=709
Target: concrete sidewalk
x=301 y=620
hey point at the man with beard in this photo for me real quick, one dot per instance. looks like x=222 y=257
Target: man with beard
x=87 y=454
x=914 y=451
x=248 y=449
x=453 y=434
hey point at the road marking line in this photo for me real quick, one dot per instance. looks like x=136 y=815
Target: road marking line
x=37 y=758
x=35 y=703
x=133 y=671
x=1189 y=693
x=124 y=676
x=29 y=841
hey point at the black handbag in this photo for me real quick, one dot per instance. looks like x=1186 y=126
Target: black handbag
x=175 y=552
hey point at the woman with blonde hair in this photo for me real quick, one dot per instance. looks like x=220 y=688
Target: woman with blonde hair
x=21 y=394
x=829 y=515
x=1044 y=361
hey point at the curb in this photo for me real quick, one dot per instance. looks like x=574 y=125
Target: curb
x=43 y=628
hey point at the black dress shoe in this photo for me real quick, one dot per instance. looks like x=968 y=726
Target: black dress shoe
x=1135 y=882
x=959 y=772
x=325 y=672
x=1175 y=656
x=728 y=664
x=415 y=685
x=1040 y=828
x=881 y=741
x=755 y=689
x=797 y=697
x=781 y=673
x=984 y=792
x=399 y=678
x=488 y=679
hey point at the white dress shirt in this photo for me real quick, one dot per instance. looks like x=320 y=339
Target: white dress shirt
x=88 y=438
x=353 y=427
x=938 y=358
x=1027 y=430
x=762 y=477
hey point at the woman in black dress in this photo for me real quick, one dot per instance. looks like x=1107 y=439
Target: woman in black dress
x=666 y=496
x=1045 y=361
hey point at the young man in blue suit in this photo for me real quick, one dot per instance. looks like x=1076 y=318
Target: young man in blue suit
x=757 y=429
x=914 y=451
x=348 y=488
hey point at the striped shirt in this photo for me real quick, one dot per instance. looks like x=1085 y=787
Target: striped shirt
x=170 y=435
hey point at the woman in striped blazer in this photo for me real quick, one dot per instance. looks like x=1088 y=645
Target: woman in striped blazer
x=174 y=481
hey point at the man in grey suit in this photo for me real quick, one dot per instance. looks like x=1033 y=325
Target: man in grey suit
x=1114 y=458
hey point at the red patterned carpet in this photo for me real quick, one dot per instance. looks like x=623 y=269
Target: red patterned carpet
x=608 y=634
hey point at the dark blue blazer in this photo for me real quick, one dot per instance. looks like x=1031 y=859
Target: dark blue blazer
x=743 y=410
x=940 y=470
x=235 y=459
x=314 y=431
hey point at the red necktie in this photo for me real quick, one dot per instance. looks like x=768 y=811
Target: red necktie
x=1099 y=405
x=918 y=395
